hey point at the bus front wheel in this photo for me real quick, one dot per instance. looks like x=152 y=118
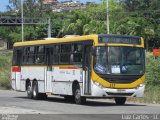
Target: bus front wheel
x=77 y=96
x=120 y=100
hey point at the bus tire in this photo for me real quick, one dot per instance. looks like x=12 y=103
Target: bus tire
x=35 y=93
x=29 y=91
x=77 y=96
x=120 y=100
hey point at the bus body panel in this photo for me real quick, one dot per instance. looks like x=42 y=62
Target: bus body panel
x=18 y=81
x=41 y=86
x=48 y=79
x=34 y=73
x=66 y=88
x=66 y=74
x=16 y=77
x=58 y=80
x=63 y=77
x=13 y=77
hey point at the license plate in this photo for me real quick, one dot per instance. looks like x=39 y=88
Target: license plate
x=121 y=90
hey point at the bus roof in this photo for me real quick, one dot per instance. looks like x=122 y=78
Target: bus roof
x=56 y=40
x=70 y=39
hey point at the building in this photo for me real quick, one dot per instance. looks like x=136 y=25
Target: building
x=69 y=2
x=50 y=2
x=65 y=5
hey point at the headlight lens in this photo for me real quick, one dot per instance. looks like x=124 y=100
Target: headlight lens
x=141 y=85
x=98 y=85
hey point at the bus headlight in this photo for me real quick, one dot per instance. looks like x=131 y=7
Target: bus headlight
x=141 y=85
x=98 y=85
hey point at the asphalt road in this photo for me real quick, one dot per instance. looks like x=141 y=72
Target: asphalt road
x=17 y=104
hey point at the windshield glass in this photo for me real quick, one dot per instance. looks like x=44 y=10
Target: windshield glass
x=119 y=60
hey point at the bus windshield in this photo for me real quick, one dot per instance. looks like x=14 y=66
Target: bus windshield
x=119 y=60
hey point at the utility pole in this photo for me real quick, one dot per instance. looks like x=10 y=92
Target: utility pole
x=22 y=20
x=107 y=12
x=49 y=27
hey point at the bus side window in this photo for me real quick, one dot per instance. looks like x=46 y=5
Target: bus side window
x=76 y=53
x=14 y=57
x=56 y=51
x=40 y=55
x=65 y=53
x=25 y=55
x=17 y=57
x=31 y=55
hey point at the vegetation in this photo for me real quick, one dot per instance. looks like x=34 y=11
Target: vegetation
x=131 y=17
x=152 y=80
x=5 y=69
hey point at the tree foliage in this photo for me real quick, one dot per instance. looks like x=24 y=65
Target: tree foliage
x=131 y=17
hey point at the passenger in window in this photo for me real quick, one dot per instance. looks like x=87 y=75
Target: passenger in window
x=72 y=58
x=37 y=60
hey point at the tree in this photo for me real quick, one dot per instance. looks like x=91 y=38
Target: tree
x=131 y=17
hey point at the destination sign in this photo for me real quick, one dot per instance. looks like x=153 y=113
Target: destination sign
x=120 y=40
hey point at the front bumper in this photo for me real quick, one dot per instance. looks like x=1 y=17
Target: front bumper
x=99 y=91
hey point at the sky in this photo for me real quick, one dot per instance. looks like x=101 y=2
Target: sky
x=4 y=3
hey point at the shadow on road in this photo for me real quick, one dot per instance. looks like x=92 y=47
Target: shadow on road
x=107 y=103
x=90 y=102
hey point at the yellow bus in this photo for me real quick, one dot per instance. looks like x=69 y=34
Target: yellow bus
x=91 y=66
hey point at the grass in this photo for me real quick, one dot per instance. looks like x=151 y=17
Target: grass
x=151 y=95
x=5 y=69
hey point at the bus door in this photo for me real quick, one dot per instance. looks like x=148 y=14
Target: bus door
x=48 y=71
x=87 y=59
x=17 y=70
